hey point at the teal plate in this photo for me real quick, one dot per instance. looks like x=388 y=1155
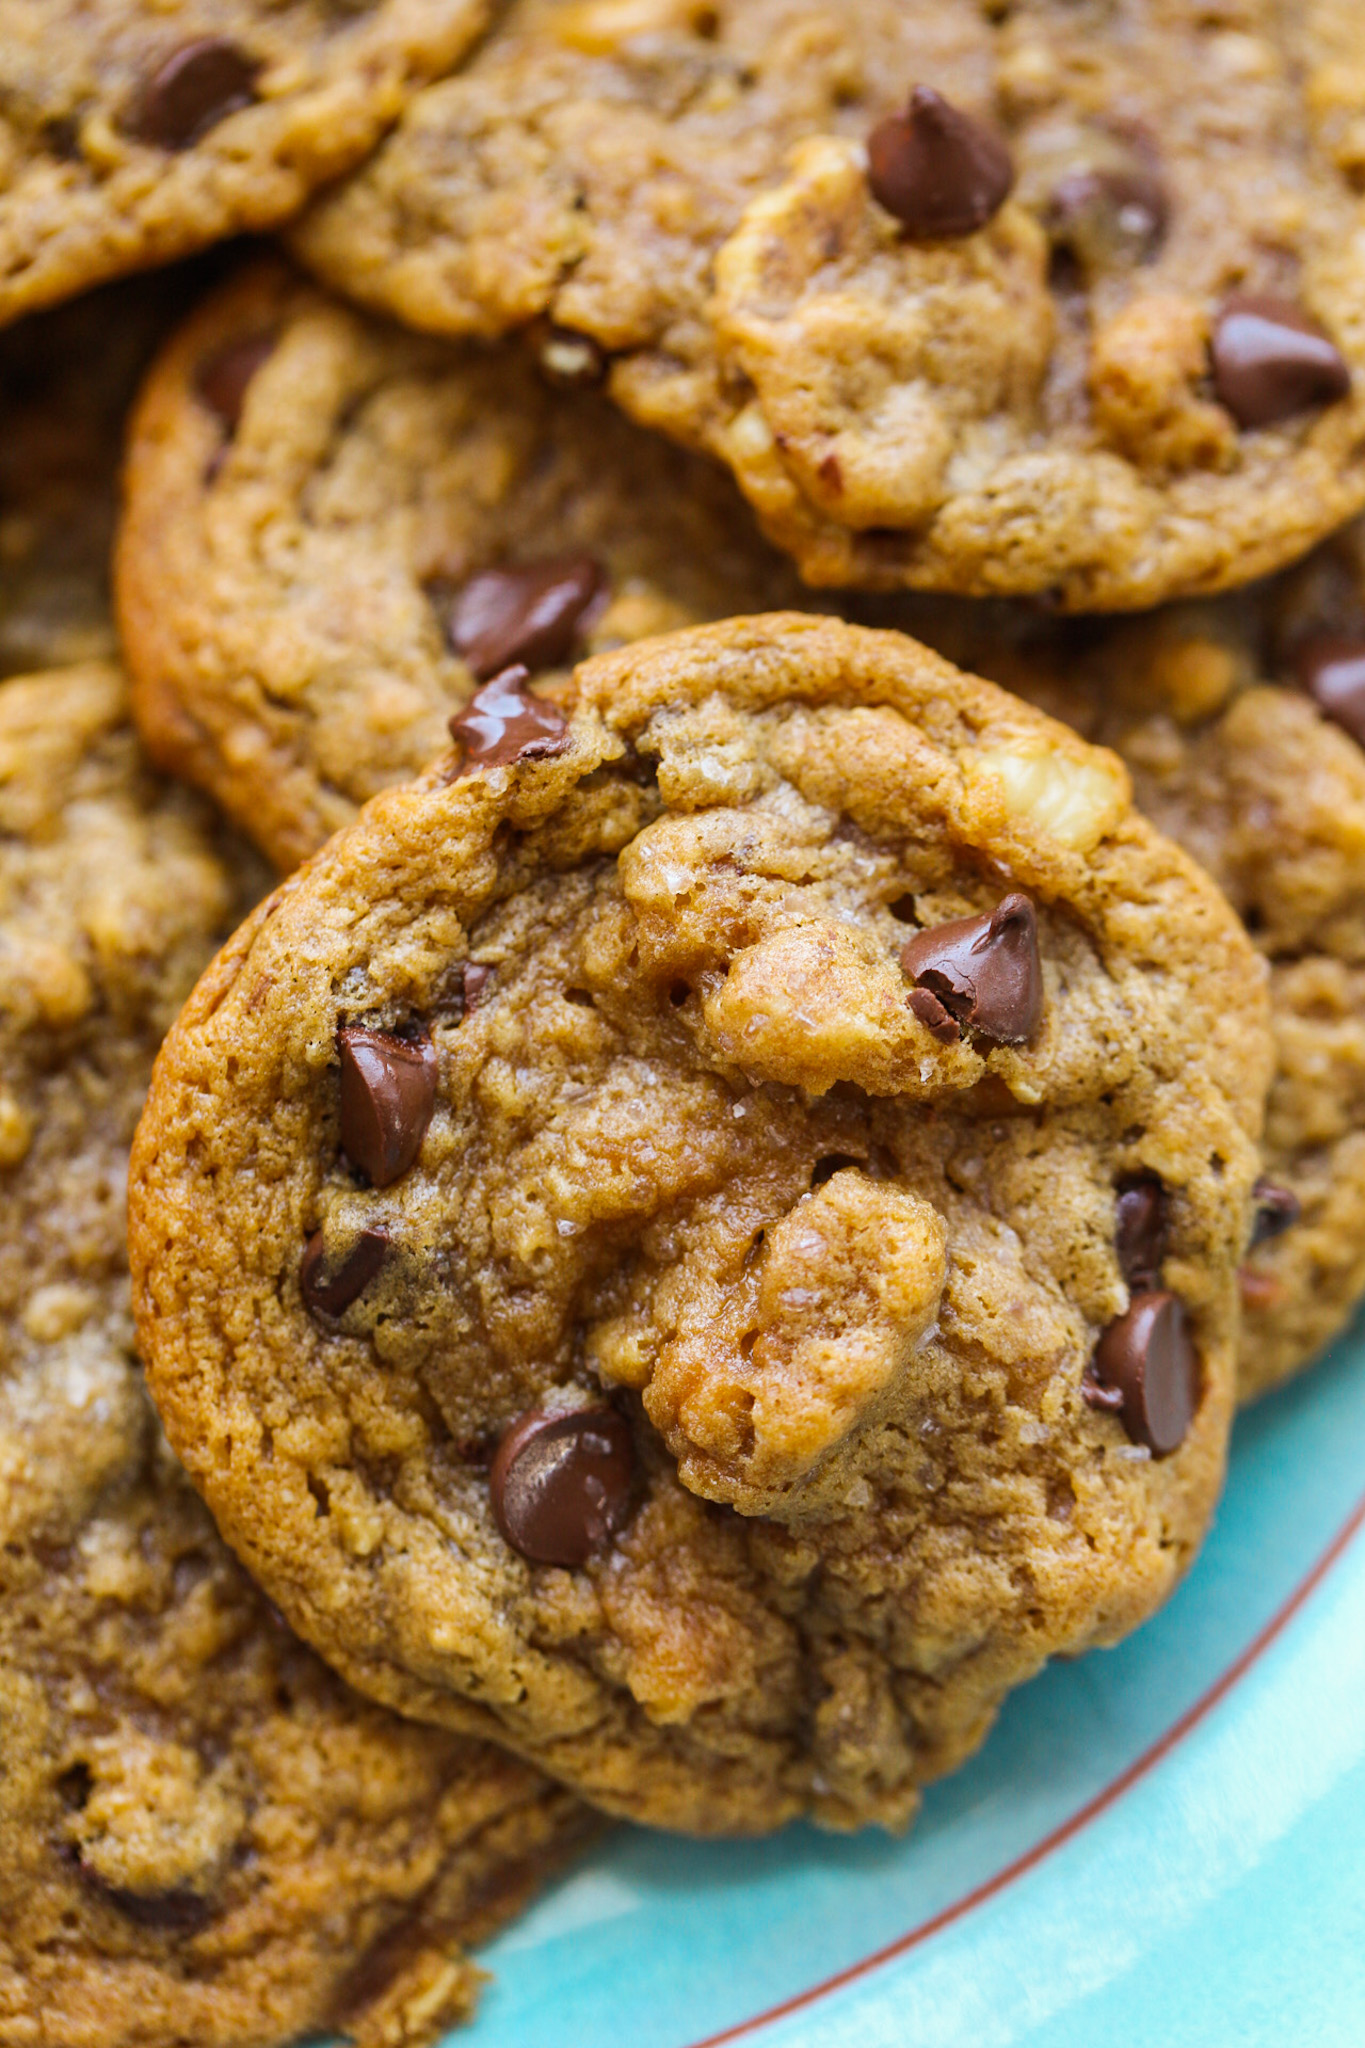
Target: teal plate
x=1161 y=1844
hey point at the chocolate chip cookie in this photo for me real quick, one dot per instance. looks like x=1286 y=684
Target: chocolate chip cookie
x=974 y=298
x=333 y=530
x=204 y=1836
x=700 y=1237
x=131 y=133
x=67 y=378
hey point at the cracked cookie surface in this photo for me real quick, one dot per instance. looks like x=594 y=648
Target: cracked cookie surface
x=655 y=1209
x=204 y=1835
x=1218 y=710
x=132 y=133
x=1103 y=391
x=290 y=575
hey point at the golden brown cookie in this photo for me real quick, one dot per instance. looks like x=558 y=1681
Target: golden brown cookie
x=973 y=298
x=332 y=529
x=703 y=1240
x=204 y=1836
x=1237 y=721
x=132 y=132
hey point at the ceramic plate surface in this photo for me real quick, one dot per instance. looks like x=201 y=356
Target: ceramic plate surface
x=1160 y=1845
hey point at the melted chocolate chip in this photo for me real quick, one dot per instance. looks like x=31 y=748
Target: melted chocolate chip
x=1109 y=217
x=561 y=1484
x=331 y=1294
x=197 y=86
x=176 y=1912
x=1140 y=1211
x=1277 y=1210
x=388 y=1093
x=984 y=971
x=924 y=1004
x=503 y=723
x=223 y=378
x=530 y=614
x=939 y=172
x=1332 y=670
x=1146 y=1358
x=572 y=361
x=1271 y=361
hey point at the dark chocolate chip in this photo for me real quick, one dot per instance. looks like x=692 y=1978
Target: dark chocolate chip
x=1277 y=1210
x=388 y=1093
x=1140 y=1209
x=503 y=723
x=1109 y=217
x=1148 y=1358
x=561 y=1484
x=925 y=1005
x=572 y=361
x=985 y=970
x=939 y=172
x=476 y=978
x=197 y=86
x=530 y=614
x=223 y=378
x=177 y=1912
x=331 y=1294
x=1332 y=670
x=1271 y=361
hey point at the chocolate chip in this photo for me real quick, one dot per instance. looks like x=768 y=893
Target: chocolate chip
x=938 y=171
x=561 y=1484
x=984 y=971
x=1140 y=1210
x=1332 y=670
x=1147 y=1358
x=530 y=614
x=197 y=86
x=503 y=723
x=1277 y=1210
x=388 y=1093
x=1271 y=361
x=223 y=378
x=476 y=978
x=924 y=1004
x=572 y=361
x=329 y=1295
x=178 y=1912
x=1109 y=217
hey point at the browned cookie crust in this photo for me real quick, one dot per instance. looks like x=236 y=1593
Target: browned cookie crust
x=131 y=132
x=650 y=1069
x=206 y=1841
x=1061 y=392
x=310 y=496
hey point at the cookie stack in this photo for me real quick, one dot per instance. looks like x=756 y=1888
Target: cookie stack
x=694 y=835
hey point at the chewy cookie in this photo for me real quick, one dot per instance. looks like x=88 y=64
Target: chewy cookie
x=132 y=132
x=702 y=1240
x=1242 y=721
x=972 y=298
x=334 y=529
x=204 y=1836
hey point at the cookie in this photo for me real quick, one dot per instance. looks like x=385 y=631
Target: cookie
x=204 y=1836
x=132 y=133
x=1212 y=706
x=67 y=378
x=978 y=299
x=635 y=1244
x=334 y=529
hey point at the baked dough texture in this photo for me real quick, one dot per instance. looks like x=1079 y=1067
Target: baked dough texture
x=677 y=1139
x=282 y=582
x=132 y=133
x=205 y=1837
x=1050 y=404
